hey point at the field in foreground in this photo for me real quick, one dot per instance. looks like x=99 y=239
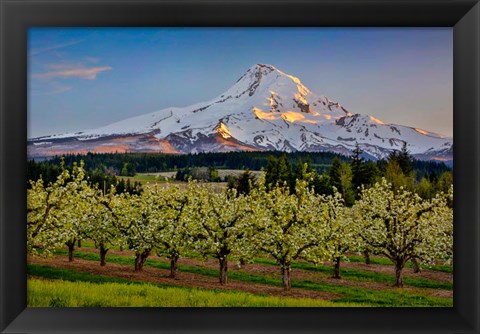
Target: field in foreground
x=57 y=282
x=59 y=293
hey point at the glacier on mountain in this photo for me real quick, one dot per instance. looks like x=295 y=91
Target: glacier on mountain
x=266 y=109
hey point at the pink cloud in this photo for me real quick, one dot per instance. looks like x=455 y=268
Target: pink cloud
x=84 y=73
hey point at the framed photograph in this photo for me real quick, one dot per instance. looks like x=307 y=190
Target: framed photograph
x=322 y=174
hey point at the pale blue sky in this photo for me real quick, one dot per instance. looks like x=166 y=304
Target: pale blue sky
x=81 y=78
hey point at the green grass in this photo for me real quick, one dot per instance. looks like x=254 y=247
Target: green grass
x=327 y=271
x=385 y=298
x=147 y=177
x=59 y=293
x=387 y=262
x=368 y=276
x=73 y=275
x=144 y=179
x=395 y=297
x=373 y=260
x=352 y=258
x=438 y=267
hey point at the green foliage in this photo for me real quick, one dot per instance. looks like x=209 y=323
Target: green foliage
x=279 y=173
x=244 y=184
x=425 y=189
x=363 y=172
x=322 y=184
x=395 y=176
x=341 y=179
x=127 y=170
x=367 y=276
x=334 y=174
x=109 y=163
x=445 y=181
x=402 y=226
x=47 y=171
x=405 y=160
x=58 y=213
x=159 y=162
x=346 y=294
x=284 y=171
x=209 y=174
x=99 y=178
x=213 y=174
x=123 y=186
x=271 y=172
x=225 y=230
x=174 y=221
x=299 y=225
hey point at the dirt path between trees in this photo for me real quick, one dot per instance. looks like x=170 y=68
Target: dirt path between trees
x=407 y=272
x=156 y=275
x=273 y=270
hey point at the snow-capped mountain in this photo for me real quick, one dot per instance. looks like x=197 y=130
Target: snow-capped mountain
x=266 y=109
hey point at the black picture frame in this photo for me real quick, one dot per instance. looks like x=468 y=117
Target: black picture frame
x=17 y=16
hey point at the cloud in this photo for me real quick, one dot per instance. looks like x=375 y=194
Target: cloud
x=82 y=72
x=37 y=51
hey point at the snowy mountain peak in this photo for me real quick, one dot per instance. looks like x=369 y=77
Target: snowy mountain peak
x=259 y=70
x=265 y=68
x=266 y=109
x=267 y=80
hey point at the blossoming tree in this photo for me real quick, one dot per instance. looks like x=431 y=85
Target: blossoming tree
x=402 y=226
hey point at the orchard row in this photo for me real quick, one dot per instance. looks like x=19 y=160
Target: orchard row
x=170 y=221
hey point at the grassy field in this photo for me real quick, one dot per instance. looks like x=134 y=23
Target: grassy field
x=350 y=274
x=152 y=179
x=162 y=177
x=52 y=285
x=61 y=293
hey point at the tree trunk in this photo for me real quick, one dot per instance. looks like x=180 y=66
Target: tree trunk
x=399 y=273
x=415 y=266
x=287 y=285
x=173 y=267
x=366 y=254
x=79 y=243
x=71 y=247
x=223 y=270
x=336 y=268
x=140 y=259
x=103 y=254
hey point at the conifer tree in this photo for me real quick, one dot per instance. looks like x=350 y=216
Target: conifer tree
x=334 y=174
x=405 y=160
x=358 y=171
x=245 y=183
x=284 y=169
x=271 y=172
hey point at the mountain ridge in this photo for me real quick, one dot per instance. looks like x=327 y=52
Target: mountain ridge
x=266 y=109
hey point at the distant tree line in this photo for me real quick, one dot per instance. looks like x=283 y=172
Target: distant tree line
x=209 y=174
x=128 y=164
x=348 y=177
x=49 y=172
